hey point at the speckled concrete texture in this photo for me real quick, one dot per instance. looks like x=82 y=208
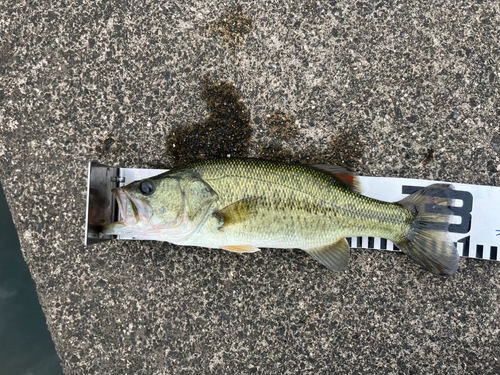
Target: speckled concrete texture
x=414 y=84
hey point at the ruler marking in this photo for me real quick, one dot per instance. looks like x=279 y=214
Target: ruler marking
x=364 y=242
x=493 y=253
x=383 y=244
x=479 y=251
x=371 y=242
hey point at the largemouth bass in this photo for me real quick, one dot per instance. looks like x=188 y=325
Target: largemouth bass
x=243 y=205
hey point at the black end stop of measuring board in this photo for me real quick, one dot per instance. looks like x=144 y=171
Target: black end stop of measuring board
x=102 y=208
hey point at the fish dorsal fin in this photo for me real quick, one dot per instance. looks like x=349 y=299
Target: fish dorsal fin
x=237 y=212
x=334 y=256
x=241 y=248
x=349 y=179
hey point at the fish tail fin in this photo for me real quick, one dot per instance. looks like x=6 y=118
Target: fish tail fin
x=427 y=242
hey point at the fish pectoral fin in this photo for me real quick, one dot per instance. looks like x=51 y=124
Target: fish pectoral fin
x=237 y=212
x=241 y=248
x=349 y=179
x=334 y=256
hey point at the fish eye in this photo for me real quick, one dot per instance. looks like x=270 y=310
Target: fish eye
x=147 y=188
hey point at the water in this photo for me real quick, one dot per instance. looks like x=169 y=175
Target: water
x=26 y=347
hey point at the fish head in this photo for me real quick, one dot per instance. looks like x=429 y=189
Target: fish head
x=147 y=207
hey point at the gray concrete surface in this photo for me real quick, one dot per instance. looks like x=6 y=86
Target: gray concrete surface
x=406 y=88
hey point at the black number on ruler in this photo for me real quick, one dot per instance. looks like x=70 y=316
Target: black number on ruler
x=464 y=212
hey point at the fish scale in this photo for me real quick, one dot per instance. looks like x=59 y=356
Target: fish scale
x=319 y=210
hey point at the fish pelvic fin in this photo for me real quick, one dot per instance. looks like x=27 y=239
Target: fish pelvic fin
x=241 y=248
x=427 y=242
x=334 y=256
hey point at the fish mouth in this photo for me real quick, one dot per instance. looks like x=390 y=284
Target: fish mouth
x=132 y=209
x=133 y=212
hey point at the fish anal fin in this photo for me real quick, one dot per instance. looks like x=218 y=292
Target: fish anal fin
x=237 y=212
x=241 y=248
x=344 y=175
x=334 y=256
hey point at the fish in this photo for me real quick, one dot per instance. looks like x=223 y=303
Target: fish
x=243 y=205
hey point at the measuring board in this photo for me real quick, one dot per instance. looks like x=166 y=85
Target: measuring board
x=475 y=224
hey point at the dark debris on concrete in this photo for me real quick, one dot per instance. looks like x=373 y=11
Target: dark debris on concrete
x=114 y=80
